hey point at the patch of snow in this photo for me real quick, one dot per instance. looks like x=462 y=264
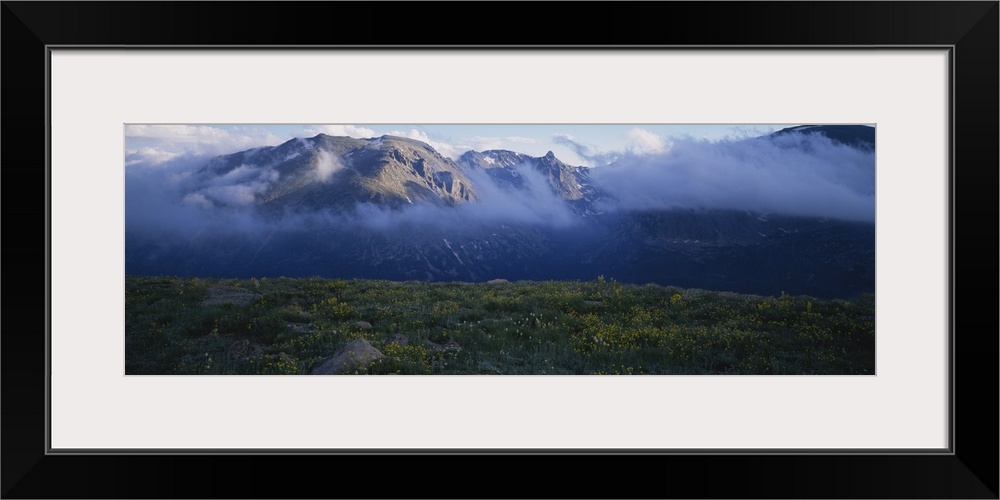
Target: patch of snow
x=452 y=251
x=292 y=156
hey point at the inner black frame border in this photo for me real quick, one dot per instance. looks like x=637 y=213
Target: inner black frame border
x=968 y=469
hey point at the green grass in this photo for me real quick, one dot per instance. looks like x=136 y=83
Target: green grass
x=289 y=326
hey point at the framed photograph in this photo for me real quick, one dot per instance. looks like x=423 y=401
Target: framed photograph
x=188 y=181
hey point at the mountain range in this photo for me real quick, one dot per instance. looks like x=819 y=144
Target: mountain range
x=395 y=208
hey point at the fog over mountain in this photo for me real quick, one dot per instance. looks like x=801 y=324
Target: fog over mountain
x=791 y=211
x=787 y=173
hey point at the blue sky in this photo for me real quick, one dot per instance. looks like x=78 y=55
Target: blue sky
x=575 y=144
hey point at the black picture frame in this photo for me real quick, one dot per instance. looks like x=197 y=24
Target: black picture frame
x=969 y=28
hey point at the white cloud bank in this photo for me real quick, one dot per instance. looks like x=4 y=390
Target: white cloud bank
x=792 y=174
x=153 y=145
x=340 y=130
x=643 y=141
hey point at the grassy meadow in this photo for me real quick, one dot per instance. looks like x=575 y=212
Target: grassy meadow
x=290 y=326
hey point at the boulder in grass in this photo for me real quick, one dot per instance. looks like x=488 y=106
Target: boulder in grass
x=356 y=354
x=447 y=346
x=487 y=368
x=498 y=281
x=397 y=338
x=364 y=325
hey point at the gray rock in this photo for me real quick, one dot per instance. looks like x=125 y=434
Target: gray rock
x=397 y=338
x=300 y=327
x=447 y=346
x=487 y=368
x=297 y=316
x=364 y=325
x=499 y=281
x=356 y=354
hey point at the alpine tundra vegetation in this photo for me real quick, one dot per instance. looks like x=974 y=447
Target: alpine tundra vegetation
x=291 y=326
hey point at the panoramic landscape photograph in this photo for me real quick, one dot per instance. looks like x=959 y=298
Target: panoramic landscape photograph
x=514 y=249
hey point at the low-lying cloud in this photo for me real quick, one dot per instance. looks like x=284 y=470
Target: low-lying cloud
x=793 y=174
x=584 y=151
x=643 y=141
x=173 y=200
x=326 y=165
x=152 y=145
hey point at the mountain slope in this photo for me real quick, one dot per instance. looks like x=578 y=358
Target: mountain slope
x=506 y=168
x=325 y=172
